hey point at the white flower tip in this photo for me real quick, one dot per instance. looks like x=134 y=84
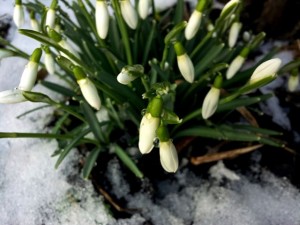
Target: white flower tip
x=143 y=8
x=193 y=25
x=90 y=93
x=210 y=103
x=234 y=33
x=293 y=83
x=266 y=69
x=18 y=16
x=123 y=78
x=129 y=14
x=235 y=66
x=168 y=156
x=11 y=96
x=102 y=19
x=186 y=67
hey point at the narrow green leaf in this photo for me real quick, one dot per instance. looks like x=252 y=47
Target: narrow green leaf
x=38 y=97
x=127 y=161
x=90 y=162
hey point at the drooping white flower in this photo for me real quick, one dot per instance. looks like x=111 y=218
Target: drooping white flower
x=293 y=82
x=130 y=73
x=34 y=25
x=143 y=8
x=49 y=63
x=210 y=102
x=193 y=25
x=235 y=66
x=234 y=33
x=11 y=96
x=102 y=18
x=266 y=69
x=168 y=156
x=147 y=134
x=229 y=6
x=50 y=18
x=18 y=16
x=29 y=74
x=89 y=92
x=184 y=63
x=129 y=14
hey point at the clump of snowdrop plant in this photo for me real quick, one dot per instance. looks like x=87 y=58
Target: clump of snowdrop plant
x=169 y=75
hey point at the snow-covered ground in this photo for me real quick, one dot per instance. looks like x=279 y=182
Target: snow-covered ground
x=32 y=192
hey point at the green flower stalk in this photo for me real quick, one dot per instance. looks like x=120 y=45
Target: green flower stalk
x=50 y=16
x=87 y=87
x=143 y=8
x=167 y=150
x=194 y=21
x=18 y=16
x=184 y=63
x=265 y=70
x=149 y=125
x=234 y=33
x=211 y=100
x=29 y=74
x=129 y=14
x=11 y=96
x=102 y=18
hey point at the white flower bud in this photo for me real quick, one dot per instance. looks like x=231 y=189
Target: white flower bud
x=11 y=96
x=193 y=25
x=18 y=15
x=264 y=70
x=234 y=33
x=50 y=18
x=124 y=78
x=246 y=36
x=34 y=25
x=49 y=63
x=168 y=156
x=143 y=8
x=186 y=67
x=148 y=127
x=293 y=82
x=102 y=18
x=210 y=102
x=129 y=14
x=89 y=92
x=29 y=76
x=235 y=66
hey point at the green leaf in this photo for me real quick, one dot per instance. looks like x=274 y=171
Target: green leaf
x=127 y=161
x=38 y=97
x=90 y=162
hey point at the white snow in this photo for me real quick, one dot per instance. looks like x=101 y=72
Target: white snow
x=32 y=192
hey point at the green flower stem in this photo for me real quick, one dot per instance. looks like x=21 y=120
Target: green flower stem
x=114 y=113
x=202 y=43
x=165 y=56
x=148 y=43
x=123 y=30
x=35 y=135
x=68 y=110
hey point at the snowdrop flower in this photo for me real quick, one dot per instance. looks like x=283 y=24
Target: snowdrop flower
x=130 y=73
x=167 y=151
x=143 y=8
x=87 y=87
x=265 y=70
x=293 y=81
x=18 y=16
x=29 y=74
x=129 y=14
x=229 y=6
x=11 y=96
x=50 y=16
x=235 y=66
x=49 y=61
x=211 y=100
x=234 y=33
x=168 y=156
x=149 y=125
x=184 y=63
x=102 y=18
x=33 y=22
x=194 y=21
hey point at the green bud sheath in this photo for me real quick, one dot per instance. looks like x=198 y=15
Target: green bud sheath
x=218 y=81
x=36 y=55
x=32 y=15
x=79 y=73
x=163 y=133
x=54 y=35
x=201 y=5
x=244 y=53
x=18 y=2
x=179 y=49
x=46 y=49
x=155 y=106
x=53 y=4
